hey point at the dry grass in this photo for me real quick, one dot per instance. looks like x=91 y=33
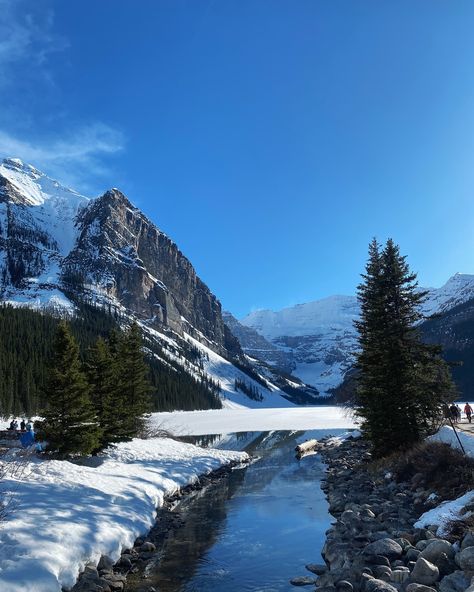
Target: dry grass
x=432 y=465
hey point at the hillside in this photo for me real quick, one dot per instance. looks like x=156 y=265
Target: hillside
x=60 y=250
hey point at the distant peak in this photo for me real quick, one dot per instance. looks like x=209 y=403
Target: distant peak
x=18 y=165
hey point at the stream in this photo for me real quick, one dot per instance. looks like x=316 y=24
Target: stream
x=251 y=531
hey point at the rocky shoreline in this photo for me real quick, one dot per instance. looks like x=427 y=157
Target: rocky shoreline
x=373 y=546
x=110 y=576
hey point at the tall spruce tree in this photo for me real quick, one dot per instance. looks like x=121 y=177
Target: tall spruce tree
x=403 y=383
x=133 y=392
x=69 y=424
x=102 y=373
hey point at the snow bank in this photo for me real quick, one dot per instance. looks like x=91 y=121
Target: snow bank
x=65 y=515
x=445 y=513
x=446 y=434
x=225 y=421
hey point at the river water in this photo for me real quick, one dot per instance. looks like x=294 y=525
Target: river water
x=251 y=531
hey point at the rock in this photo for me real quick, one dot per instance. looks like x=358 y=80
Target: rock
x=124 y=562
x=419 y=588
x=397 y=563
x=303 y=581
x=317 y=568
x=424 y=572
x=468 y=540
x=412 y=554
x=374 y=585
x=404 y=544
x=378 y=560
x=147 y=547
x=455 y=582
x=421 y=545
x=436 y=548
x=385 y=547
x=344 y=586
x=466 y=559
x=105 y=563
x=382 y=572
x=399 y=576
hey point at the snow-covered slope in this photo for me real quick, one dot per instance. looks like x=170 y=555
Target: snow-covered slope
x=320 y=335
x=58 y=247
x=37 y=230
x=88 y=511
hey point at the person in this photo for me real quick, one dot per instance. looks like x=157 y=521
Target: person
x=22 y=425
x=12 y=425
x=468 y=412
x=458 y=407
x=453 y=409
x=29 y=426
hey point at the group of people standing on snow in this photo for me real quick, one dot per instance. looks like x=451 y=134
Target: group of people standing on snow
x=455 y=412
x=25 y=426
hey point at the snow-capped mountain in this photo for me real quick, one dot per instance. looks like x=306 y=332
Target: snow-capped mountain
x=58 y=247
x=320 y=337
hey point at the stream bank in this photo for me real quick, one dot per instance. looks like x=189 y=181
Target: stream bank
x=373 y=546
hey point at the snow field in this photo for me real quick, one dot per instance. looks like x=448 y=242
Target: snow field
x=64 y=515
x=224 y=421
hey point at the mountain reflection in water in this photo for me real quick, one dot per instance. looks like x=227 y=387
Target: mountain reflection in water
x=251 y=531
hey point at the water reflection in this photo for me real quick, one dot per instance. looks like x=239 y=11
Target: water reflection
x=251 y=531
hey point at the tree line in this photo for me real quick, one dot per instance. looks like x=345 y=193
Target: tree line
x=26 y=348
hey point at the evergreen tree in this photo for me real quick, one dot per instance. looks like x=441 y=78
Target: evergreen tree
x=403 y=383
x=102 y=376
x=133 y=392
x=69 y=424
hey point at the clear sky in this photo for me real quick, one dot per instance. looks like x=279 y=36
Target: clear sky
x=271 y=139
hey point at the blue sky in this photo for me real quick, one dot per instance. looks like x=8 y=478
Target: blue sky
x=271 y=139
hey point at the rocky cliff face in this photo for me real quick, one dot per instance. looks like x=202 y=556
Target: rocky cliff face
x=121 y=254
x=54 y=242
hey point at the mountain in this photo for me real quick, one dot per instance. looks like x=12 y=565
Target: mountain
x=320 y=337
x=59 y=249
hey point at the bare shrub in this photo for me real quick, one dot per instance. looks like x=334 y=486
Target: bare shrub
x=436 y=466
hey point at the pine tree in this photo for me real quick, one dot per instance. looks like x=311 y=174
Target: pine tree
x=403 y=383
x=69 y=424
x=102 y=377
x=133 y=393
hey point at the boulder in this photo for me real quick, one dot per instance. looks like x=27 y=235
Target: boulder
x=454 y=582
x=375 y=585
x=412 y=554
x=344 y=586
x=436 y=548
x=317 y=568
x=399 y=576
x=468 y=540
x=465 y=559
x=105 y=563
x=424 y=572
x=378 y=560
x=382 y=572
x=302 y=581
x=419 y=588
x=385 y=547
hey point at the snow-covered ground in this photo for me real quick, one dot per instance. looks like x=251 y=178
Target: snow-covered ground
x=225 y=421
x=453 y=509
x=64 y=515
